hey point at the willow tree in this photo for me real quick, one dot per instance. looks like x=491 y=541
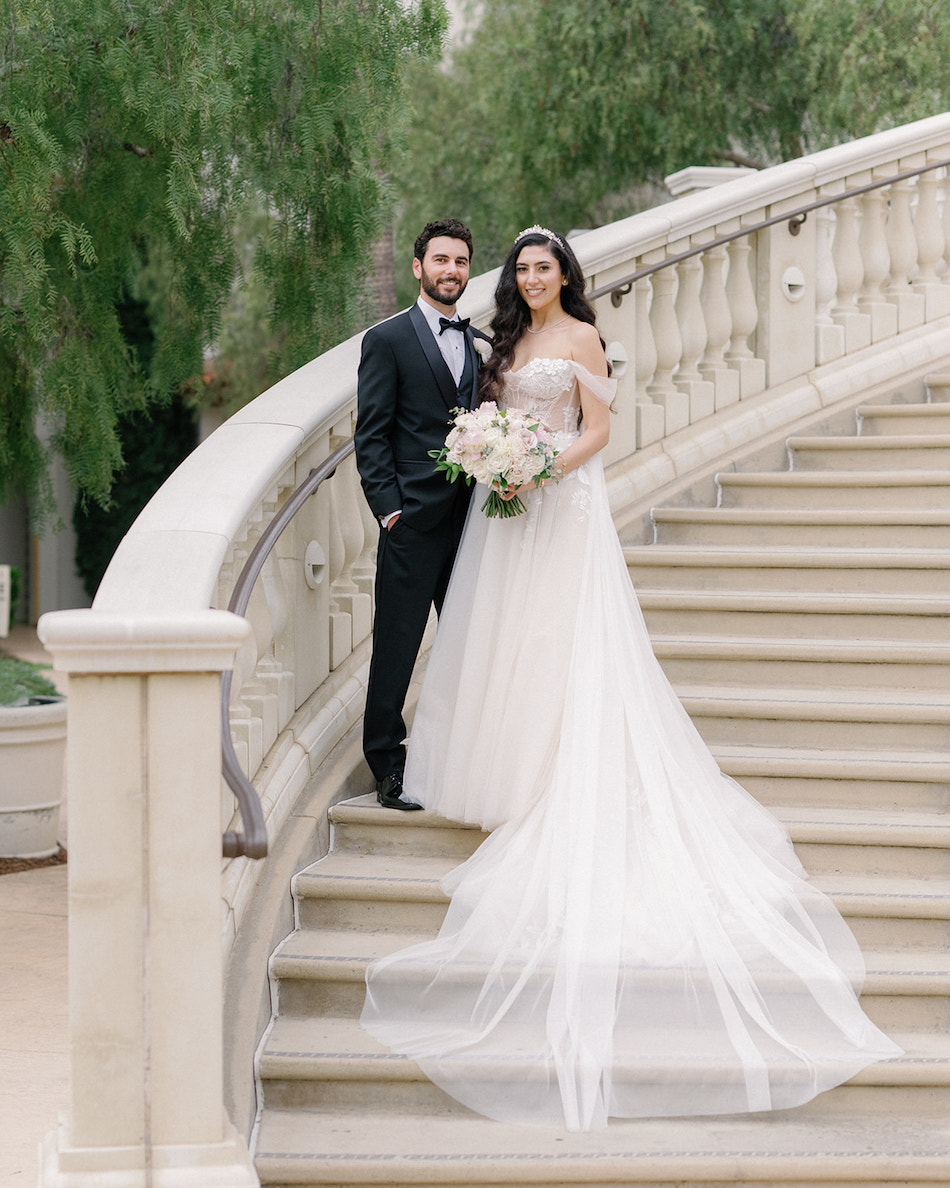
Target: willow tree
x=135 y=135
x=555 y=110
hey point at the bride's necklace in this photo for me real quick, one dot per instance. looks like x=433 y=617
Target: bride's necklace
x=546 y=328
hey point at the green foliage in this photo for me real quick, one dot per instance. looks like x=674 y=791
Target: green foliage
x=153 y=440
x=558 y=110
x=135 y=136
x=21 y=680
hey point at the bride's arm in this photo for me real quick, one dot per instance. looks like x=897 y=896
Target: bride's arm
x=586 y=350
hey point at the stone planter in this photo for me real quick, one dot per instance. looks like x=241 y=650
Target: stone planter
x=32 y=752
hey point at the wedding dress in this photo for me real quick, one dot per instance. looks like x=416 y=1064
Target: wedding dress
x=636 y=937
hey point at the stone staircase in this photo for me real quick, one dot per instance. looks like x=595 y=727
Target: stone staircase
x=804 y=623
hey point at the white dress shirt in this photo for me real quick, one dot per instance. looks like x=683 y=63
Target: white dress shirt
x=451 y=343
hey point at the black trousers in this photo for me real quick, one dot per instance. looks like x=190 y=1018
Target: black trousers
x=412 y=574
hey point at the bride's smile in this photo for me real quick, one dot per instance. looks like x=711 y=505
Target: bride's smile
x=540 y=280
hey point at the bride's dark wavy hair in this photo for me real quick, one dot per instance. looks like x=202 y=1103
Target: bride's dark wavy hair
x=512 y=315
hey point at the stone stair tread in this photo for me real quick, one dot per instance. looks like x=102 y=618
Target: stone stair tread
x=887 y=895
x=365 y=810
x=316 y=952
x=852 y=704
x=863 y=763
x=779 y=648
x=776 y=516
x=775 y=603
x=467 y=1149
x=909 y=441
x=311 y=951
x=784 y=556
x=875 y=894
x=346 y=873
x=834 y=478
x=339 y=1048
x=861 y=826
x=928 y=898
x=902 y=410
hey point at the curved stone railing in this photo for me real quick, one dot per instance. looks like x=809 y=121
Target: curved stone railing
x=715 y=355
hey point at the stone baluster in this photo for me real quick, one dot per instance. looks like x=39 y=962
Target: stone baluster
x=744 y=314
x=829 y=337
x=669 y=349
x=268 y=694
x=364 y=571
x=692 y=328
x=718 y=323
x=341 y=624
x=902 y=245
x=849 y=268
x=651 y=418
x=246 y=731
x=876 y=262
x=930 y=247
x=943 y=268
x=347 y=594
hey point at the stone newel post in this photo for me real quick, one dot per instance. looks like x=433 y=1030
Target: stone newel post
x=145 y=959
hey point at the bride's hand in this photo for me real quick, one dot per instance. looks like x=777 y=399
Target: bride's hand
x=511 y=492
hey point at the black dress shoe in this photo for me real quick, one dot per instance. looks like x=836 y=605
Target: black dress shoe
x=389 y=793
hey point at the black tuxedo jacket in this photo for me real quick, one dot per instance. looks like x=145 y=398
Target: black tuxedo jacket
x=405 y=397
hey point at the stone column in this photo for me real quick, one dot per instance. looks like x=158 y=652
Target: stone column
x=145 y=958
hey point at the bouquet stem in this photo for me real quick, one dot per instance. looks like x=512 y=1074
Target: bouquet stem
x=494 y=505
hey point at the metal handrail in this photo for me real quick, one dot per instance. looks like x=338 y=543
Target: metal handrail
x=252 y=843
x=795 y=218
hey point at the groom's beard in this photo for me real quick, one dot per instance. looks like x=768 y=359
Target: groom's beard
x=445 y=290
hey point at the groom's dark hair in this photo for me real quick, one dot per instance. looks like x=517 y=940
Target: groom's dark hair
x=451 y=227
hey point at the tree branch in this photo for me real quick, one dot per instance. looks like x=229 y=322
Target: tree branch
x=137 y=149
x=738 y=158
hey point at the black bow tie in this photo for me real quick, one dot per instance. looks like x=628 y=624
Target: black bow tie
x=448 y=324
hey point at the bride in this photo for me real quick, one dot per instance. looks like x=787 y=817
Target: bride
x=636 y=937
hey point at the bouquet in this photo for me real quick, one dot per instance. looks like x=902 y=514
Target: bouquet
x=502 y=448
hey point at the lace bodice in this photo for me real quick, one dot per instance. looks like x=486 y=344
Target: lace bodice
x=549 y=387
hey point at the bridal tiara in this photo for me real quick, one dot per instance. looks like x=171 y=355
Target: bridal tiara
x=539 y=230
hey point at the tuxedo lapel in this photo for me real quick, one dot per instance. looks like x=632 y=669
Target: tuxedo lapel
x=468 y=385
x=438 y=366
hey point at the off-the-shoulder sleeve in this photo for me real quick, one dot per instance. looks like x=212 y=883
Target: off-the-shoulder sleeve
x=600 y=387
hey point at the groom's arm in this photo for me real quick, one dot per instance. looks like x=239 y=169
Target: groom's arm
x=376 y=397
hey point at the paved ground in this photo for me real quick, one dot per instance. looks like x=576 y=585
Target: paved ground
x=34 y=1076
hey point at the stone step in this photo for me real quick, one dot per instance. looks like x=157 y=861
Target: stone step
x=892 y=914
x=922 y=451
x=305 y=1147
x=360 y=824
x=321 y=972
x=869 y=618
x=908 y=489
x=904 y=419
x=870 y=846
x=888 y=874
x=896 y=780
x=784 y=569
x=832 y=663
x=334 y=1064
x=376 y=892
x=851 y=718
x=938 y=386
x=750 y=527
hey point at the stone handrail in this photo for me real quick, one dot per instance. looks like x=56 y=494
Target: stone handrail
x=715 y=353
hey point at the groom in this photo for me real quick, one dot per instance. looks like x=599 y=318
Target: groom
x=415 y=368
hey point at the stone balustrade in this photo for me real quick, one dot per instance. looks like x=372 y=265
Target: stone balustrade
x=729 y=345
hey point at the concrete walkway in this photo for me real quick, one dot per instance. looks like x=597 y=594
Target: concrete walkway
x=34 y=1052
